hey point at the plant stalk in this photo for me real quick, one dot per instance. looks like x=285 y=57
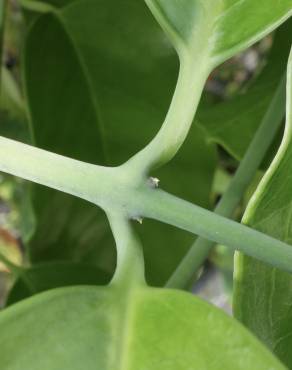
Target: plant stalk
x=178 y=120
x=114 y=191
x=246 y=171
x=174 y=211
x=130 y=260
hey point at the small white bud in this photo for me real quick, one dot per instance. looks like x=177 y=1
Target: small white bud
x=154 y=182
x=138 y=219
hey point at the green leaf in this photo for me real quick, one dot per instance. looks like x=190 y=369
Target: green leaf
x=115 y=101
x=263 y=295
x=218 y=30
x=234 y=122
x=42 y=277
x=243 y=22
x=104 y=328
x=200 y=32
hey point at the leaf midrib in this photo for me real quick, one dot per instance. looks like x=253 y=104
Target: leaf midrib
x=124 y=330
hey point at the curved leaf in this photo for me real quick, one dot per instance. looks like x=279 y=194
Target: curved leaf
x=103 y=328
x=263 y=295
x=218 y=29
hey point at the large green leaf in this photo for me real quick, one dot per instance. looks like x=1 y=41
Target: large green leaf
x=263 y=295
x=105 y=328
x=234 y=122
x=91 y=79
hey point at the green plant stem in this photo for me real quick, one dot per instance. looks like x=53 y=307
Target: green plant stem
x=55 y=171
x=115 y=192
x=130 y=260
x=179 y=213
x=246 y=171
x=178 y=120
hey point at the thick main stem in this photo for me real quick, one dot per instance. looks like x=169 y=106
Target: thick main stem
x=112 y=189
x=251 y=161
x=164 y=207
x=56 y=171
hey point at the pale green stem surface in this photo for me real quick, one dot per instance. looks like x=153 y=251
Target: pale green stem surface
x=177 y=212
x=251 y=161
x=178 y=120
x=115 y=191
x=130 y=260
x=55 y=171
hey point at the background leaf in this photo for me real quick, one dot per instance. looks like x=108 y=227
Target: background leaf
x=263 y=295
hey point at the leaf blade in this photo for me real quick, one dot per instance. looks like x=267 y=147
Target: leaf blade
x=128 y=332
x=269 y=211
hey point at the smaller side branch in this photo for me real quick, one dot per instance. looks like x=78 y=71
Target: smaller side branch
x=169 y=139
x=130 y=260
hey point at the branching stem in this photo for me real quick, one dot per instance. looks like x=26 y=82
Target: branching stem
x=114 y=191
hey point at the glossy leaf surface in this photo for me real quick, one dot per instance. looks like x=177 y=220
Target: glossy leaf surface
x=221 y=28
x=263 y=295
x=104 y=328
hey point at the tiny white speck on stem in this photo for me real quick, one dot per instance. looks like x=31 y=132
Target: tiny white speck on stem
x=138 y=219
x=154 y=182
